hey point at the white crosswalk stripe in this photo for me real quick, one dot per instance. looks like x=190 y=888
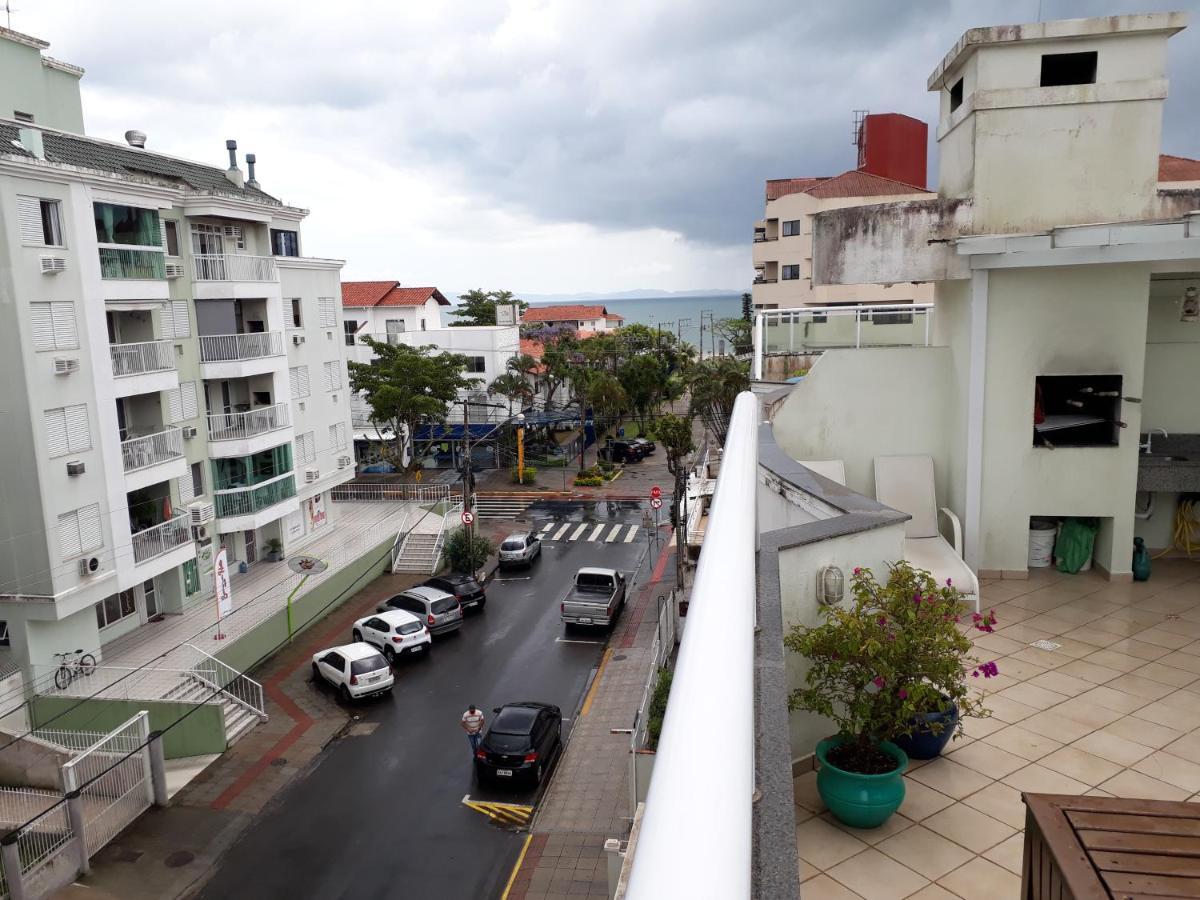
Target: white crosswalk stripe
x=595 y=534
x=577 y=532
x=633 y=530
x=558 y=535
x=546 y=528
x=612 y=535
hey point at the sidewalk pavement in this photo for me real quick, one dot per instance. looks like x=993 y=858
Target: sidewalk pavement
x=589 y=799
x=167 y=852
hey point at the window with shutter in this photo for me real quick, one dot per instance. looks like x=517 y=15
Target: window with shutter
x=56 y=432
x=181 y=327
x=333 y=376
x=299 y=379
x=328 y=309
x=29 y=214
x=79 y=435
x=191 y=407
x=175 y=405
x=43 y=326
x=91 y=535
x=67 y=430
x=306 y=447
x=332 y=437
x=186 y=494
x=54 y=326
x=68 y=535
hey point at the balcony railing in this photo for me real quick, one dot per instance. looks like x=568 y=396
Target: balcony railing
x=150 y=450
x=139 y=264
x=235 y=426
x=233 y=347
x=160 y=538
x=143 y=358
x=245 y=501
x=234 y=267
x=759 y=279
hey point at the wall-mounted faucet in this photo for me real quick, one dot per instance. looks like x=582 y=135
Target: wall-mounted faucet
x=1150 y=434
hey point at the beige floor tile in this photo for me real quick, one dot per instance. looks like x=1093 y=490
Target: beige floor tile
x=1156 y=671
x=824 y=846
x=1008 y=613
x=876 y=876
x=1187 y=747
x=1134 y=785
x=987 y=759
x=1093 y=672
x=999 y=645
x=1029 y=744
x=1138 y=649
x=977 y=727
x=1009 y=710
x=825 y=888
x=1111 y=697
x=804 y=790
x=1087 y=713
x=1123 y=628
x=1024 y=633
x=808 y=870
x=1050 y=624
x=1138 y=686
x=925 y=851
x=1092 y=603
x=921 y=801
x=1068 y=646
x=1115 y=749
x=1114 y=659
x=950 y=778
x=1061 y=683
x=1172 y=769
x=1140 y=731
x=1038 y=779
x=1078 y=612
x=969 y=827
x=932 y=892
x=1080 y=765
x=982 y=879
x=1033 y=696
x=1174 y=711
x=1170 y=601
x=1017 y=669
x=1181 y=660
x=1009 y=853
x=872 y=836
x=1096 y=637
x=1046 y=659
x=1165 y=636
x=1001 y=802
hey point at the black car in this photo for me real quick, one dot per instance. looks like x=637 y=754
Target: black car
x=468 y=591
x=648 y=446
x=520 y=743
x=621 y=451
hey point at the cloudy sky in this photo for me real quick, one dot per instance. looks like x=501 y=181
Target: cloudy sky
x=538 y=146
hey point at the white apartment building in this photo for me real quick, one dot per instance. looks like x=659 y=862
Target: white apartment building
x=580 y=316
x=382 y=308
x=174 y=371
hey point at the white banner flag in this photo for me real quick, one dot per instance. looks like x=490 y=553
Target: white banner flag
x=221 y=585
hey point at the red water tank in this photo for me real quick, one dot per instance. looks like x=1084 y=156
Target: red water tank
x=894 y=146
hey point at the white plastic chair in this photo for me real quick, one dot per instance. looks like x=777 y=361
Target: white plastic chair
x=833 y=469
x=905 y=483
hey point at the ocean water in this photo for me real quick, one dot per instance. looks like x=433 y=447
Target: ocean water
x=673 y=314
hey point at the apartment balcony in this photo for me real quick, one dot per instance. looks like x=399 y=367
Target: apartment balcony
x=241 y=355
x=133 y=274
x=152 y=458
x=237 y=434
x=241 y=509
x=224 y=276
x=143 y=368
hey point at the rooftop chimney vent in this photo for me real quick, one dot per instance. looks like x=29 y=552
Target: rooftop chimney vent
x=251 y=181
x=233 y=173
x=135 y=138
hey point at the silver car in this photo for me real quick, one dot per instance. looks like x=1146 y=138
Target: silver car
x=441 y=612
x=519 y=549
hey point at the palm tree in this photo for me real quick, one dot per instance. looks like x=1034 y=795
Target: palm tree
x=512 y=386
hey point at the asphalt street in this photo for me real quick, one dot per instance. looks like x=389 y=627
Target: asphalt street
x=380 y=814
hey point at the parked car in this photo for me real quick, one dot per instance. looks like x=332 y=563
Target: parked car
x=357 y=670
x=441 y=612
x=621 y=451
x=463 y=586
x=596 y=597
x=396 y=633
x=521 y=742
x=519 y=550
x=648 y=446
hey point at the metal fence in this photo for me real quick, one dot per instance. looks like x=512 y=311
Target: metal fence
x=231 y=347
x=158 y=539
x=235 y=426
x=140 y=358
x=234 y=267
x=151 y=449
x=113 y=780
x=387 y=492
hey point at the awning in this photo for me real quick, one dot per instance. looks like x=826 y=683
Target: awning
x=454 y=432
x=373 y=435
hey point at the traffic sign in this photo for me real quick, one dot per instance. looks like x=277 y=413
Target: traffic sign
x=656 y=493
x=656 y=503
x=468 y=517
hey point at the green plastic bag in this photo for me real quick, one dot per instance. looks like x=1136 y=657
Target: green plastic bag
x=1074 y=546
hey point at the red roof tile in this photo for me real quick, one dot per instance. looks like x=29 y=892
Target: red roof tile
x=1178 y=168
x=861 y=184
x=388 y=293
x=566 y=313
x=781 y=187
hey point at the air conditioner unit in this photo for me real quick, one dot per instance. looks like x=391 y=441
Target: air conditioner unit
x=297 y=339
x=75 y=467
x=232 y=230
x=89 y=565
x=199 y=533
x=174 y=270
x=199 y=513
x=65 y=366
x=311 y=475
x=344 y=461
x=189 y=431
x=52 y=265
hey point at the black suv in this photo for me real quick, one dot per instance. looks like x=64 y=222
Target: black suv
x=468 y=591
x=520 y=744
x=621 y=451
x=648 y=446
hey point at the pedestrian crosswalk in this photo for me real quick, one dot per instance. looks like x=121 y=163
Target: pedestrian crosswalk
x=594 y=532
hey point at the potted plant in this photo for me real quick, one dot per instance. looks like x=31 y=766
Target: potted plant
x=878 y=667
x=274 y=550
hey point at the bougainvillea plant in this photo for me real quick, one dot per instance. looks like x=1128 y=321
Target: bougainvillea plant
x=896 y=651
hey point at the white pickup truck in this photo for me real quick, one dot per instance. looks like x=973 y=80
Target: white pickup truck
x=596 y=597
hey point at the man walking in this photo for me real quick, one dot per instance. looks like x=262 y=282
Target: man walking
x=472 y=723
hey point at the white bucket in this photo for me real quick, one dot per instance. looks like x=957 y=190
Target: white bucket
x=1042 y=533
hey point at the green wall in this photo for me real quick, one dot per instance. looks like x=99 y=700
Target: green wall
x=252 y=648
x=199 y=733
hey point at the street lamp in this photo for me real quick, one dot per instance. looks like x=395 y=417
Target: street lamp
x=520 y=448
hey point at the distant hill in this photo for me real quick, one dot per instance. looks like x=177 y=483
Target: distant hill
x=600 y=296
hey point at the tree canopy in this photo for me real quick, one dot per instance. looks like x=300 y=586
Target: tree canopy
x=478 y=307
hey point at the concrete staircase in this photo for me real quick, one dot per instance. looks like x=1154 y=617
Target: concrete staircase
x=501 y=506
x=419 y=552
x=239 y=719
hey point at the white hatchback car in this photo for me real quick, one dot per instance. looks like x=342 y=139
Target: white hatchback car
x=356 y=670
x=395 y=632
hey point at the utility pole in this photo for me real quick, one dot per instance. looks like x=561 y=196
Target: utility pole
x=468 y=481
x=701 y=337
x=679 y=324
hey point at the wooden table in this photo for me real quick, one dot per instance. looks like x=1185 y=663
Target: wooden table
x=1109 y=848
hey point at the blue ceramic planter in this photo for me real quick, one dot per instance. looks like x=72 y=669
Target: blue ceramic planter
x=861 y=801
x=923 y=743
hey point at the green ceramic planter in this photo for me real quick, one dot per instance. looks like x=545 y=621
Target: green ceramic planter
x=861 y=801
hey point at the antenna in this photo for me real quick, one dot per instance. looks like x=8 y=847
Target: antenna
x=8 y=11
x=860 y=116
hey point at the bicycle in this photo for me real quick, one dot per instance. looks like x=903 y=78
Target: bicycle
x=71 y=666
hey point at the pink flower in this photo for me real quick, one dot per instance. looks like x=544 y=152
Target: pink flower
x=878 y=681
x=883 y=620
x=949 y=583
x=975 y=673
x=989 y=669
x=917 y=599
x=857 y=570
x=902 y=694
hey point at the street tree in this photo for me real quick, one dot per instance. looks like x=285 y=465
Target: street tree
x=674 y=433
x=404 y=386
x=643 y=377
x=747 y=307
x=736 y=333
x=512 y=386
x=478 y=307
x=715 y=384
x=466 y=551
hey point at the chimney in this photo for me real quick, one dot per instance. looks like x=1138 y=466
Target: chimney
x=233 y=173
x=135 y=138
x=251 y=181
x=893 y=146
x=31 y=140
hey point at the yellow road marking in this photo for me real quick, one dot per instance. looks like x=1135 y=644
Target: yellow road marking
x=503 y=813
x=517 y=867
x=587 y=702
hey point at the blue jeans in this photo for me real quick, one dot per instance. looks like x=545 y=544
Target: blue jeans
x=474 y=739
